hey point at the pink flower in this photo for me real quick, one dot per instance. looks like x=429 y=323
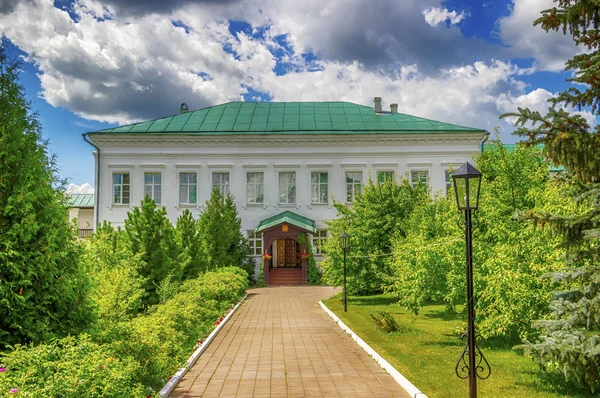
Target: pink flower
x=2 y=369
x=14 y=390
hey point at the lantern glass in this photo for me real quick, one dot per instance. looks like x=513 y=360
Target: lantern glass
x=467 y=183
x=344 y=241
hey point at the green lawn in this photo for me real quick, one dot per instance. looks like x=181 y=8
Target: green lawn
x=427 y=351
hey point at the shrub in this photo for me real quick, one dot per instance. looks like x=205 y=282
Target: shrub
x=164 y=337
x=117 y=287
x=386 y=322
x=70 y=367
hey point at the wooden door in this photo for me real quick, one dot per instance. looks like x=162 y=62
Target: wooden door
x=281 y=252
x=288 y=253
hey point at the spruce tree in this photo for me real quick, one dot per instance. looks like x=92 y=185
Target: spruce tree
x=43 y=286
x=151 y=234
x=570 y=341
x=191 y=247
x=221 y=230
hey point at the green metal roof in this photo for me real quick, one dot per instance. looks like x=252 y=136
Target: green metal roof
x=288 y=217
x=288 y=118
x=81 y=200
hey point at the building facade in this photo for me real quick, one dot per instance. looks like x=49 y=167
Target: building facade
x=275 y=159
x=81 y=207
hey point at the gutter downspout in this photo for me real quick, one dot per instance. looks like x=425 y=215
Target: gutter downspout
x=481 y=144
x=97 y=188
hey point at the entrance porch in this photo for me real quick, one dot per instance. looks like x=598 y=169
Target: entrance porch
x=284 y=256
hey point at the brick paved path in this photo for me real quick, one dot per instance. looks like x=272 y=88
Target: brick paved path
x=280 y=343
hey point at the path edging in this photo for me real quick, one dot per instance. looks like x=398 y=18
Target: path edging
x=170 y=386
x=403 y=381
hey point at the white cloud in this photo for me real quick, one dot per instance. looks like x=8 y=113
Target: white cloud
x=435 y=15
x=83 y=188
x=107 y=67
x=550 y=49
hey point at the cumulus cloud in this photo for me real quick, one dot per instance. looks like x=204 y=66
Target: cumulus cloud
x=435 y=15
x=550 y=49
x=106 y=62
x=83 y=188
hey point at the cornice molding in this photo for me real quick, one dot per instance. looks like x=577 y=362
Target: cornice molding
x=277 y=141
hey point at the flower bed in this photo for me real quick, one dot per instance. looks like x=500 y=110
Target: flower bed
x=125 y=359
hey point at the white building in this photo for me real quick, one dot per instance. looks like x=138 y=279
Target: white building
x=81 y=207
x=273 y=158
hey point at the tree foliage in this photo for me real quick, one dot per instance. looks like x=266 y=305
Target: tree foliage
x=117 y=287
x=43 y=287
x=377 y=215
x=192 y=258
x=151 y=235
x=221 y=230
x=569 y=341
x=509 y=255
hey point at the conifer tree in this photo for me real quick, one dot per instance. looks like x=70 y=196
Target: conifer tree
x=220 y=228
x=151 y=234
x=571 y=340
x=191 y=246
x=43 y=286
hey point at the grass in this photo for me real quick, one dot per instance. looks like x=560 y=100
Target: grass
x=426 y=350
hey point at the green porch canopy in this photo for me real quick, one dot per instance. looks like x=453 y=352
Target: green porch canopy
x=287 y=217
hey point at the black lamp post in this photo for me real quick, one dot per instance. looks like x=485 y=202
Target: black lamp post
x=344 y=242
x=467 y=181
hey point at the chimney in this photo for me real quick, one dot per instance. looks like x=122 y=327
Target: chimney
x=183 y=108
x=377 y=106
x=394 y=108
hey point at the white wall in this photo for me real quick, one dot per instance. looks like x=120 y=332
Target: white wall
x=84 y=215
x=170 y=155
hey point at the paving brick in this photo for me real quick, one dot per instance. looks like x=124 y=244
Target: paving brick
x=280 y=343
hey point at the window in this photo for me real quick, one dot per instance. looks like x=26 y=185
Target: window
x=287 y=187
x=188 y=188
x=319 y=188
x=385 y=176
x=318 y=240
x=419 y=177
x=221 y=183
x=448 y=178
x=121 y=186
x=255 y=242
x=254 y=188
x=353 y=185
x=152 y=186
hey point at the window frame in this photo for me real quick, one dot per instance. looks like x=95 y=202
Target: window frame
x=254 y=202
x=385 y=171
x=426 y=183
x=121 y=172
x=319 y=185
x=153 y=184
x=224 y=187
x=188 y=184
x=317 y=247
x=354 y=184
x=252 y=240
x=295 y=185
x=447 y=181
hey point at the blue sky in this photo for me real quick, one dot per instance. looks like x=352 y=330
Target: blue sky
x=91 y=64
